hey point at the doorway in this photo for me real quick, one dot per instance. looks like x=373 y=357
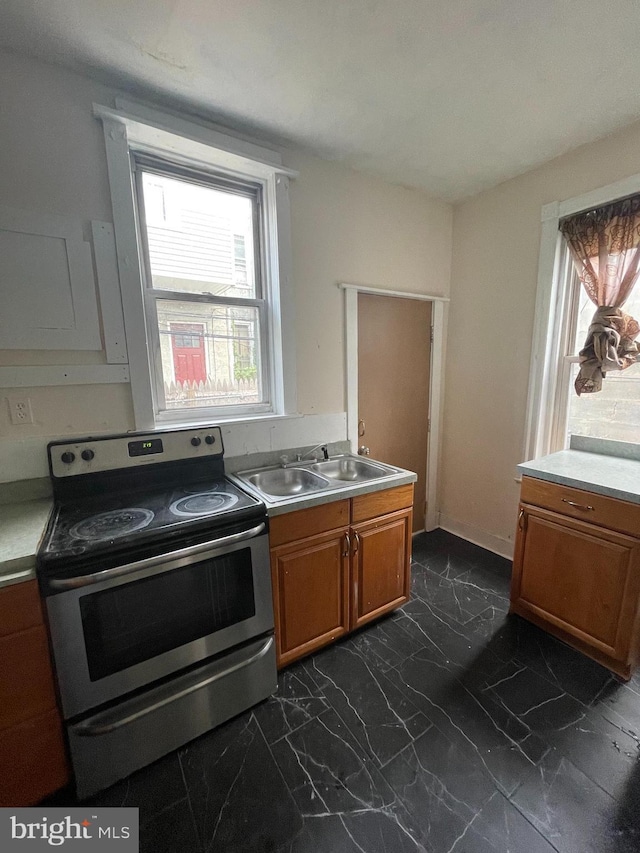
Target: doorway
x=394 y=357
x=187 y=344
x=395 y=349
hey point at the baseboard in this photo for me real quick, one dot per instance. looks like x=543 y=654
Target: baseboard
x=502 y=547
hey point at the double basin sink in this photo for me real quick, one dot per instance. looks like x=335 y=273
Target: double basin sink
x=307 y=478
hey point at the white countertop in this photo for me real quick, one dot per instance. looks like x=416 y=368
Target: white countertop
x=21 y=529
x=593 y=471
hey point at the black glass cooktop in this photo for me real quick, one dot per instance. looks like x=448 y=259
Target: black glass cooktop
x=113 y=522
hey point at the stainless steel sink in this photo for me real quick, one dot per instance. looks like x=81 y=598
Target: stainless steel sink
x=275 y=485
x=351 y=469
x=286 y=482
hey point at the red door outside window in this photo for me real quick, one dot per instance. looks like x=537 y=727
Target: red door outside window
x=187 y=343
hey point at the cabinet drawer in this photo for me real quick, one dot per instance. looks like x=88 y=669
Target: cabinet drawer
x=586 y=506
x=308 y=522
x=369 y=506
x=26 y=683
x=19 y=608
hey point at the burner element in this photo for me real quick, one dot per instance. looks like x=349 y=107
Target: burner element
x=111 y=525
x=200 y=488
x=205 y=503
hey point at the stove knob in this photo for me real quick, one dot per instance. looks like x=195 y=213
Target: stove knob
x=196 y=441
x=68 y=457
x=87 y=455
x=210 y=439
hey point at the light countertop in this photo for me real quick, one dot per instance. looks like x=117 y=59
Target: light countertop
x=21 y=528
x=589 y=465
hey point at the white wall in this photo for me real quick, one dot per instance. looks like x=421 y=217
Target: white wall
x=493 y=290
x=351 y=228
x=345 y=227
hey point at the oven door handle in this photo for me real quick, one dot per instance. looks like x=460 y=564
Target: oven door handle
x=159 y=560
x=110 y=722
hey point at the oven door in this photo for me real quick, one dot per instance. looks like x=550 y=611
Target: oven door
x=118 y=630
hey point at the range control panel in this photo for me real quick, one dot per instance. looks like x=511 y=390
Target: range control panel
x=111 y=453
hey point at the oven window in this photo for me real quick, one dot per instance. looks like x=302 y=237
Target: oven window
x=137 y=621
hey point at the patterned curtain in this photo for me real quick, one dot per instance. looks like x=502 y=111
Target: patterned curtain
x=605 y=247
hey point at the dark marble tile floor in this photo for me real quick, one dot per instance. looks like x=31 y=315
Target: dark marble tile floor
x=447 y=727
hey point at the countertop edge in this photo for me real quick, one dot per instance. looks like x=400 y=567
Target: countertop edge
x=20 y=567
x=528 y=469
x=14 y=575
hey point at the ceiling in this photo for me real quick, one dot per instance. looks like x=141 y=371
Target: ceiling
x=450 y=96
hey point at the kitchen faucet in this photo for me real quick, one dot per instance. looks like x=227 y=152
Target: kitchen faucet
x=300 y=457
x=322 y=447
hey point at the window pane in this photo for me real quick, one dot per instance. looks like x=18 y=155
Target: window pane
x=586 y=309
x=210 y=354
x=200 y=238
x=613 y=412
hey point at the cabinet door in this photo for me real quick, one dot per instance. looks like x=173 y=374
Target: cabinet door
x=310 y=593
x=33 y=761
x=578 y=578
x=26 y=685
x=381 y=556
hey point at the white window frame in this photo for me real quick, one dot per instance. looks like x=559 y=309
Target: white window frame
x=133 y=128
x=546 y=411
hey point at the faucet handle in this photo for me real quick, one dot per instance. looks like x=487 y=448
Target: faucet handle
x=284 y=459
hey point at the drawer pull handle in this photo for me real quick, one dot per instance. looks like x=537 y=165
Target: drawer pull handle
x=347 y=545
x=577 y=506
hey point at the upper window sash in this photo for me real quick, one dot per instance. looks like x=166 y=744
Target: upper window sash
x=142 y=164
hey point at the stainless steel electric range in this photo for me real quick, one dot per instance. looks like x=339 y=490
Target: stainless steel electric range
x=155 y=572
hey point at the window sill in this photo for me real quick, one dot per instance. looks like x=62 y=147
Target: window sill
x=260 y=417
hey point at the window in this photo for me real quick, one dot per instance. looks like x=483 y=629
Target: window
x=198 y=230
x=240 y=260
x=207 y=302
x=563 y=316
x=243 y=351
x=612 y=413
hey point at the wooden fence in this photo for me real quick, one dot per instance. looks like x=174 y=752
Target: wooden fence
x=211 y=393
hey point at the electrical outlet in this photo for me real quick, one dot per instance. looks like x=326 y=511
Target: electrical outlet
x=20 y=410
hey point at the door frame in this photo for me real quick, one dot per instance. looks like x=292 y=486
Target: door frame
x=436 y=382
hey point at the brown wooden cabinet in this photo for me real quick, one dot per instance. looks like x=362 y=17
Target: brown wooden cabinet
x=338 y=566
x=33 y=762
x=380 y=566
x=576 y=570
